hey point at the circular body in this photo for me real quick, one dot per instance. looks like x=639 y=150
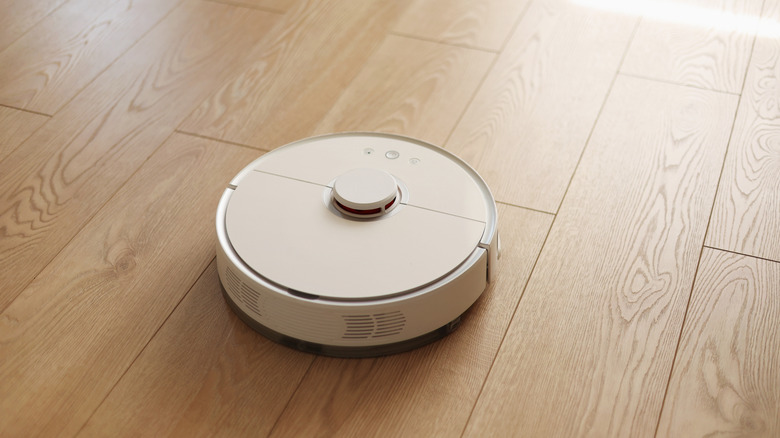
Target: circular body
x=356 y=244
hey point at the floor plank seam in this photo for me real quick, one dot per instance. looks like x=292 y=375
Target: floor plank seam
x=706 y=232
x=32 y=26
x=524 y=208
x=119 y=56
x=244 y=5
x=742 y=254
x=149 y=341
x=219 y=140
x=86 y=223
x=487 y=73
x=25 y=110
x=292 y=394
x=442 y=42
x=170 y=382
x=506 y=330
x=11 y=151
x=670 y=82
x=677 y=347
x=380 y=42
x=598 y=114
x=32 y=133
x=731 y=135
x=364 y=66
x=541 y=248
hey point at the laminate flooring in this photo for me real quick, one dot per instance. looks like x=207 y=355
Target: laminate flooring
x=633 y=149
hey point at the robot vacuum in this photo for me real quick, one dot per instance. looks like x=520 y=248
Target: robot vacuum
x=356 y=244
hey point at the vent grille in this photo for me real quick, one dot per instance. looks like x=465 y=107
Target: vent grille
x=375 y=325
x=243 y=293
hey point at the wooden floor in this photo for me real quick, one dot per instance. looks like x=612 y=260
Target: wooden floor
x=633 y=148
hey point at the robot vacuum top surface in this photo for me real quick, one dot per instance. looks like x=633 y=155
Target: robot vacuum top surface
x=358 y=216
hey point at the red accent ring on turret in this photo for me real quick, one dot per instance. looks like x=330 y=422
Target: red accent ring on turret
x=369 y=212
x=358 y=212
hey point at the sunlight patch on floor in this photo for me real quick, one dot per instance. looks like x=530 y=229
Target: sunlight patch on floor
x=690 y=15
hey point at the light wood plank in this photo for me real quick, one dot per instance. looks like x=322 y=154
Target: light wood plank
x=420 y=97
x=745 y=218
x=293 y=84
x=595 y=332
x=702 y=43
x=54 y=182
x=529 y=122
x=18 y=16
x=590 y=348
x=485 y=24
x=429 y=391
x=68 y=338
x=281 y=6
x=204 y=373
x=726 y=378
x=15 y=127
x=61 y=54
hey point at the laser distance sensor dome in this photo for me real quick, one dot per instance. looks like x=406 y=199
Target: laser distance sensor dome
x=356 y=244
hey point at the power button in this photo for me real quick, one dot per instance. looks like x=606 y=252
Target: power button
x=392 y=155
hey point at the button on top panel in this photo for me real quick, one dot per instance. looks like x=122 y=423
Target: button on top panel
x=282 y=228
x=433 y=180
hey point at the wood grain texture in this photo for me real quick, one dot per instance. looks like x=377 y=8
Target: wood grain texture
x=429 y=391
x=280 y=6
x=204 y=373
x=20 y=15
x=53 y=183
x=485 y=24
x=702 y=43
x=726 y=378
x=69 y=337
x=290 y=87
x=589 y=350
x=15 y=127
x=745 y=218
x=529 y=122
x=421 y=97
x=61 y=54
x=106 y=219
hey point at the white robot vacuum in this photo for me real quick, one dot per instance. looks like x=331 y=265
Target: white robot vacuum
x=356 y=244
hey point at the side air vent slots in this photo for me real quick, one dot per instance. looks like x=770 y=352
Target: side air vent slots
x=376 y=325
x=243 y=293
